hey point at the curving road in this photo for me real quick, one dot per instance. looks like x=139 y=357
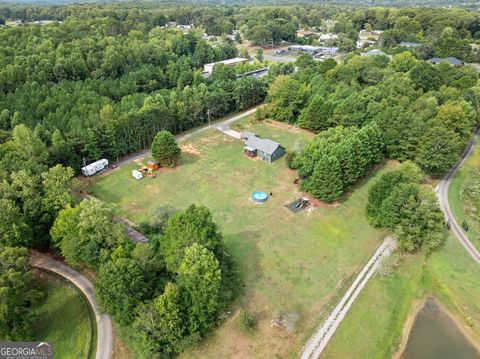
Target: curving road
x=104 y=324
x=442 y=193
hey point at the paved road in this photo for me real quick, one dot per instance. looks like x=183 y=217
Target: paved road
x=104 y=324
x=442 y=193
x=319 y=340
x=221 y=124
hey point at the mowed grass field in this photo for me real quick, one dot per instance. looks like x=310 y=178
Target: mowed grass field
x=290 y=263
x=460 y=206
x=63 y=320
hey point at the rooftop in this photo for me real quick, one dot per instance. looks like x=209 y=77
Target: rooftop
x=228 y=62
x=449 y=60
x=264 y=145
x=410 y=44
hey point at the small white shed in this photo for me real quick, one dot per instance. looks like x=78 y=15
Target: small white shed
x=137 y=174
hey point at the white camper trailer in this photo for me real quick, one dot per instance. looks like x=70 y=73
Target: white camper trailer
x=137 y=174
x=94 y=167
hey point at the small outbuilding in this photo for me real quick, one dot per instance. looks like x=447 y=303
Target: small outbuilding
x=153 y=165
x=267 y=150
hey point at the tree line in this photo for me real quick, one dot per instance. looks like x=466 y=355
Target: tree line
x=414 y=110
x=103 y=88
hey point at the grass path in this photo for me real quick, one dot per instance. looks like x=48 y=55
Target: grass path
x=460 y=205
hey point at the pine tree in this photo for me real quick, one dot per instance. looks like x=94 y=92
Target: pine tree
x=317 y=115
x=346 y=153
x=326 y=180
x=165 y=149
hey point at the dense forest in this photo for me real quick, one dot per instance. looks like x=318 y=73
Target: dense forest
x=368 y=107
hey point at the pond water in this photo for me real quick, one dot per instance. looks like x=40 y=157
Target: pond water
x=435 y=335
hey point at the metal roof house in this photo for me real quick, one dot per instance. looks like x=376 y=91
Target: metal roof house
x=230 y=62
x=410 y=44
x=449 y=60
x=267 y=150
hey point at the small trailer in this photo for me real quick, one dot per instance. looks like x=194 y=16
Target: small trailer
x=137 y=174
x=94 y=167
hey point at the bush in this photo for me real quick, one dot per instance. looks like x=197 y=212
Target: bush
x=290 y=157
x=260 y=114
x=245 y=321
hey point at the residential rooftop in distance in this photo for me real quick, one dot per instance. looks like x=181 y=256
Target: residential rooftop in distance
x=230 y=62
x=449 y=60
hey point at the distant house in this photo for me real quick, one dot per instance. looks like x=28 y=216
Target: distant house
x=267 y=150
x=327 y=37
x=374 y=53
x=328 y=52
x=309 y=49
x=209 y=37
x=449 y=60
x=361 y=43
x=208 y=68
x=410 y=44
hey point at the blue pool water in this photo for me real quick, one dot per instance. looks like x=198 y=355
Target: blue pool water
x=259 y=197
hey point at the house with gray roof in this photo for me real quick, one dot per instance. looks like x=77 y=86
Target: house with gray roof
x=266 y=149
x=449 y=60
x=410 y=44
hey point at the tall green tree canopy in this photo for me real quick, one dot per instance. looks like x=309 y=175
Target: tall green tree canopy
x=165 y=149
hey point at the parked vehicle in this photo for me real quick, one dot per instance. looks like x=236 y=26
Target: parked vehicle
x=94 y=167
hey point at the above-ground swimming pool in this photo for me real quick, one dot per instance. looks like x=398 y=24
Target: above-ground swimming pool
x=259 y=197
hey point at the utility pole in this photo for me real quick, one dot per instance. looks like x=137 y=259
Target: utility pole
x=208 y=115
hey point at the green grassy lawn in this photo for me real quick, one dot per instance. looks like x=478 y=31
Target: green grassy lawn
x=290 y=262
x=288 y=136
x=460 y=206
x=373 y=327
x=63 y=319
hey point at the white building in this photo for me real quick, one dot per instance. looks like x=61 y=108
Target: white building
x=94 y=167
x=208 y=68
x=328 y=37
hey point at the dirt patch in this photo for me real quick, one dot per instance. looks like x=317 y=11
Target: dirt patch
x=139 y=161
x=287 y=321
x=190 y=149
x=256 y=158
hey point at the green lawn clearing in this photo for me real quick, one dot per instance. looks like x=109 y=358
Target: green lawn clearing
x=461 y=204
x=291 y=263
x=287 y=135
x=64 y=320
